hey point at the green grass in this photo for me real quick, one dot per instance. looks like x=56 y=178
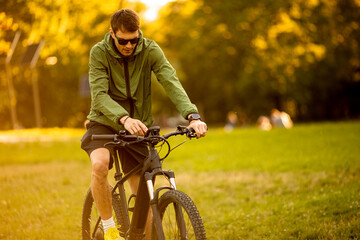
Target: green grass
x=302 y=183
x=314 y=147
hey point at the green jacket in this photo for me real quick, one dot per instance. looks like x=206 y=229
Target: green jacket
x=122 y=86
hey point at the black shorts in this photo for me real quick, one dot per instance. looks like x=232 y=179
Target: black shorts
x=130 y=156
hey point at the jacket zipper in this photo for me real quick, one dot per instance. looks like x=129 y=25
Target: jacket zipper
x=128 y=92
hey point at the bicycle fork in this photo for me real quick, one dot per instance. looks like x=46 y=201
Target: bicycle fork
x=154 y=197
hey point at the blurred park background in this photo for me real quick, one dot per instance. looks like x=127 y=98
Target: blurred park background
x=243 y=57
x=301 y=56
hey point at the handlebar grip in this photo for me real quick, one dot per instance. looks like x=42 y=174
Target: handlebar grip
x=112 y=137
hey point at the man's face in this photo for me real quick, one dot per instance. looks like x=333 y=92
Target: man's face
x=126 y=48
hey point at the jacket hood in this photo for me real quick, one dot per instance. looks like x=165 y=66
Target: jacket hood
x=109 y=45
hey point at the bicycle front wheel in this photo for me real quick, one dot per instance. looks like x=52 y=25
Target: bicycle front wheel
x=180 y=217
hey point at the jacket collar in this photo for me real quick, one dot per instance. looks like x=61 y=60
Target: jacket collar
x=111 y=48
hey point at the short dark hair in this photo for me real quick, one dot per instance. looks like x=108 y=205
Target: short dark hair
x=125 y=20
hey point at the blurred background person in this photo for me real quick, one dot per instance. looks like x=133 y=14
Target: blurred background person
x=280 y=119
x=263 y=123
x=232 y=121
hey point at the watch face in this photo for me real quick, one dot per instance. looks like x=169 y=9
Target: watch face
x=194 y=117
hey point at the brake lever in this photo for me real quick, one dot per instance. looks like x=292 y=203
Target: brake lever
x=191 y=133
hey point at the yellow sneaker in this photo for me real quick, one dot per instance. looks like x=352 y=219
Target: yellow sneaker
x=112 y=234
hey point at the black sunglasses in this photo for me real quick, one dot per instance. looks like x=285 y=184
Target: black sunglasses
x=125 y=41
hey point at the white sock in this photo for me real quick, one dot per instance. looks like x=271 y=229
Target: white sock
x=108 y=224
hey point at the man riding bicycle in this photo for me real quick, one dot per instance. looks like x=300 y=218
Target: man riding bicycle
x=120 y=69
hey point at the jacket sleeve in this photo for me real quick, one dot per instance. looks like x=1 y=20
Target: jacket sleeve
x=166 y=75
x=99 y=86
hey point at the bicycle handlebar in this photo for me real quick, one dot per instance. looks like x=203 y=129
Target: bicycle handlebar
x=152 y=133
x=181 y=130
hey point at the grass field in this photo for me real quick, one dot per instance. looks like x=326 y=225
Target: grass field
x=302 y=183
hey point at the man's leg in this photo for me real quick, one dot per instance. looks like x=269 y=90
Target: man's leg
x=100 y=187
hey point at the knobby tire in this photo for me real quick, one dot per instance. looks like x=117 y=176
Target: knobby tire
x=188 y=218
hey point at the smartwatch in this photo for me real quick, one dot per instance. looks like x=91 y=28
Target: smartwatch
x=194 y=116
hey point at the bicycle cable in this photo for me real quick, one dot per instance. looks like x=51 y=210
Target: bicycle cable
x=163 y=140
x=169 y=150
x=179 y=144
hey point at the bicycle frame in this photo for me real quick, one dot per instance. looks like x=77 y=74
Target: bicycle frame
x=146 y=195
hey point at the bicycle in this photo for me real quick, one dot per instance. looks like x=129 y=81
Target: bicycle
x=175 y=215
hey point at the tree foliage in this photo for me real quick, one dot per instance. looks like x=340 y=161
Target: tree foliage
x=69 y=29
x=300 y=56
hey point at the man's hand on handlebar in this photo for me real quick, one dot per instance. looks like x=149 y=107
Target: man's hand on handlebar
x=134 y=126
x=199 y=127
x=137 y=128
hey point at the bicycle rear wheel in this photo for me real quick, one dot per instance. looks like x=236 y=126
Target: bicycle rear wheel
x=92 y=228
x=180 y=217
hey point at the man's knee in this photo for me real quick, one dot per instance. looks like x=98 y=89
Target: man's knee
x=100 y=159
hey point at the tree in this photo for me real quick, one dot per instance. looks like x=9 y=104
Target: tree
x=69 y=28
x=300 y=56
x=297 y=56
